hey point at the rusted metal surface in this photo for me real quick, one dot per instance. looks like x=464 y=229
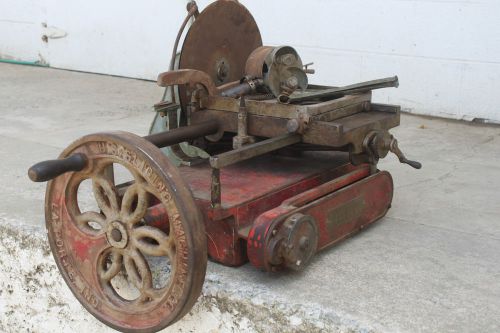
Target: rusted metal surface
x=350 y=129
x=261 y=187
x=93 y=248
x=192 y=9
x=245 y=88
x=219 y=43
x=280 y=67
x=188 y=77
x=259 y=176
x=294 y=243
x=249 y=189
x=362 y=87
x=256 y=63
x=271 y=108
x=215 y=188
x=253 y=150
x=242 y=138
x=353 y=201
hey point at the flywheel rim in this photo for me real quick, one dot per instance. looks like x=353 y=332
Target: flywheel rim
x=120 y=241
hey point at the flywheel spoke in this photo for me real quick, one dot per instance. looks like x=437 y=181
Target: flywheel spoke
x=134 y=204
x=138 y=270
x=106 y=196
x=87 y=221
x=109 y=265
x=152 y=241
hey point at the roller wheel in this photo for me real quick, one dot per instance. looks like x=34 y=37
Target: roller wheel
x=137 y=258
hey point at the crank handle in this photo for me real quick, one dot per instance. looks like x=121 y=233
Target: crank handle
x=402 y=158
x=413 y=164
x=48 y=170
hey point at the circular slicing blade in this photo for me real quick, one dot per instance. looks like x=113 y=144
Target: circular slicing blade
x=219 y=42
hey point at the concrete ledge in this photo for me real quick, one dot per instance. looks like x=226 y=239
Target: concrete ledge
x=34 y=298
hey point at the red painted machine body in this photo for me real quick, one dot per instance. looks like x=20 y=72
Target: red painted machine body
x=260 y=194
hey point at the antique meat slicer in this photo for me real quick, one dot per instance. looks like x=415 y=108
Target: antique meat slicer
x=252 y=164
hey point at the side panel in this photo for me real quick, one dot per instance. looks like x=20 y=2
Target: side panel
x=344 y=211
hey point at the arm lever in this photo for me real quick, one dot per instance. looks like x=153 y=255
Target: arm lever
x=402 y=158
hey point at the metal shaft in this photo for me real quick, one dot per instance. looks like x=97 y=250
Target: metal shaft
x=245 y=88
x=182 y=134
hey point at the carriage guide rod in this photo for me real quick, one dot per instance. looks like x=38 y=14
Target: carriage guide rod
x=253 y=150
x=181 y=134
x=244 y=153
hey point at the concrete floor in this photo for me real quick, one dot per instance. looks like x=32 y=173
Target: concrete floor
x=431 y=265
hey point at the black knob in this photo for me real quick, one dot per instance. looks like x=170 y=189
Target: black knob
x=48 y=170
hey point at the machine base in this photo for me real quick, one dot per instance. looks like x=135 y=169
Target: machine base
x=260 y=195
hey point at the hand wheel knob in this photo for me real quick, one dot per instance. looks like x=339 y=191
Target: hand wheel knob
x=48 y=170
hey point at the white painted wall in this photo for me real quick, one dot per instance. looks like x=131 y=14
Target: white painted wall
x=446 y=52
x=126 y=38
x=21 y=30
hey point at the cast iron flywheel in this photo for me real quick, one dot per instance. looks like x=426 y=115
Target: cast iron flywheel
x=137 y=262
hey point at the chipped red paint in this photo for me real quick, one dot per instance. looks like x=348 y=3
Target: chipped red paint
x=353 y=202
x=259 y=194
x=157 y=217
x=81 y=249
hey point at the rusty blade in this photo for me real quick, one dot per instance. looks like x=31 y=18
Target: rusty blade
x=219 y=43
